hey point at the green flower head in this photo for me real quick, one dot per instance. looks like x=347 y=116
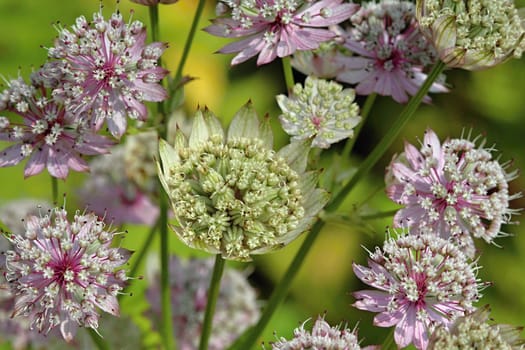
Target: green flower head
x=231 y=193
x=472 y=34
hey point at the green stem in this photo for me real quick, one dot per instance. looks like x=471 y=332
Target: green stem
x=250 y=336
x=388 y=139
x=379 y=215
x=98 y=340
x=213 y=293
x=288 y=72
x=165 y=291
x=189 y=40
x=389 y=343
x=54 y=189
x=365 y=111
x=280 y=291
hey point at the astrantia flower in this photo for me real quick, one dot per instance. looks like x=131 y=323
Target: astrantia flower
x=321 y=110
x=108 y=70
x=237 y=307
x=48 y=134
x=233 y=194
x=473 y=332
x=422 y=281
x=472 y=34
x=323 y=336
x=322 y=62
x=276 y=28
x=61 y=272
x=455 y=189
x=112 y=195
x=390 y=55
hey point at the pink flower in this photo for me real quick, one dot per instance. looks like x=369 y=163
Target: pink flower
x=108 y=70
x=48 y=134
x=62 y=271
x=455 y=189
x=390 y=55
x=276 y=28
x=422 y=281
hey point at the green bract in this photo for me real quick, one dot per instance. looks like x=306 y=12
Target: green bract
x=231 y=193
x=472 y=34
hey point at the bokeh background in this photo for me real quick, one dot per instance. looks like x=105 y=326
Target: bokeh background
x=489 y=102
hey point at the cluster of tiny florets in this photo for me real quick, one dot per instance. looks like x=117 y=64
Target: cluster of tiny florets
x=235 y=196
x=108 y=71
x=322 y=336
x=473 y=332
x=455 y=189
x=389 y=53
x=61 y=272
x=322 y=110
x=48 y=135
x=237 y=306
x=422 y=281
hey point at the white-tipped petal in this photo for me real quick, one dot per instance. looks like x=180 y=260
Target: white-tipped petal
x=245 y=123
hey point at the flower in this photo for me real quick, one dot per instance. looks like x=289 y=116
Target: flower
x=473 y=332
x=323 y=336
x=390 y=55
x=472 y=34
x=49 y=135
x=113 y=196
x=108 y=70
x=154 y=2
x=236 y=309
x=321 y=110
x=60 y=272
x=276 y=28
x=454 y=189
x=422 y=281
x=233 y=194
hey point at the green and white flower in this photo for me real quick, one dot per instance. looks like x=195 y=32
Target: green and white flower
x=231 y=193
x=472 y=34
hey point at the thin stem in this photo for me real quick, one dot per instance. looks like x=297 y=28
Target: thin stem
x=365 y=111
x=154 y=20
x=388 y=139
x=98 y=340
x=288 y=72
x=379 y=215
x=280 y=291
x=54 y=189
x=213 y=293
x=165 y=291
x=388 y=343
x=189 y=40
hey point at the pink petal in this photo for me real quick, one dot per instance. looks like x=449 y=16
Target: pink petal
x=404 y=333
x=37 y=162
x=11 y=155
x=57 y=163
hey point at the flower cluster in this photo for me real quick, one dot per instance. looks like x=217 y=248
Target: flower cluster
x=455 y=189
x=276 y=28
x=61 y=272
x=472 y=34
x=233 y=194
x=389 y=53
x=322 y=110
x=236 y=310
x=108 y=71
x=422 y=281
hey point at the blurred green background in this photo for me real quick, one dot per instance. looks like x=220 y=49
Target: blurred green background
x=489 y=102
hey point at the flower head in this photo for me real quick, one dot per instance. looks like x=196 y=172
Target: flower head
x=108 y=71
x=322 y=336
x=455 y=189
x=390 y=55
x=276 y=28
x=49 y=135
x=474 y=330
x=472 y=34
x=62 y=271
x=322 y=110
x=422 y=281
x=237 y=307
x=233 y=194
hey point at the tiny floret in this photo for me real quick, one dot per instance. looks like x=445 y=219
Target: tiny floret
x=233 y=194
x=455 y=190
x=472 y=34
x=322 y=110
x=421 y=281
x=61 y=272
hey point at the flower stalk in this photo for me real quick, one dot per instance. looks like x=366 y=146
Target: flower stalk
x=98 y=340
x=54 y=189
x=288 y=73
